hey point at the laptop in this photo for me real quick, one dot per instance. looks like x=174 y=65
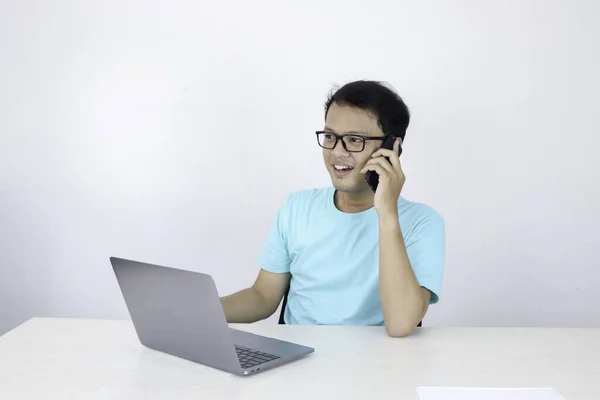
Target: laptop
x=179 y=312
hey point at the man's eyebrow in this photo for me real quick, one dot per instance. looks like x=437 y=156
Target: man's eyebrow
x=328 y=129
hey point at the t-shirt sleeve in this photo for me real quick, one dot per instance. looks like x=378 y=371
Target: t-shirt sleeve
x=274 y=256
x=427 y=251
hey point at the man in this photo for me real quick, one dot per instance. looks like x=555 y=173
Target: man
x=348 y=255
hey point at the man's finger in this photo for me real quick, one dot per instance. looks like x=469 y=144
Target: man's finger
x=379 y=161
x=384 y=153
x=392 y=155
x=383 y=173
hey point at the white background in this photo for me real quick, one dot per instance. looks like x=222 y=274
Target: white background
x=171 y=131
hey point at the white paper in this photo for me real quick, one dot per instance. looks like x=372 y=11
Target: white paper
x=444 y=393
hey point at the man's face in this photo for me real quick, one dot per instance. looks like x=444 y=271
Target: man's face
x=344 y=166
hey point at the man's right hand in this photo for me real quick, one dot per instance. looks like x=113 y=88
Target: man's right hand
x=259 y=301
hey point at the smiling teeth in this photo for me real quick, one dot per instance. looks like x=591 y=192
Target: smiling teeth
x=341 y=167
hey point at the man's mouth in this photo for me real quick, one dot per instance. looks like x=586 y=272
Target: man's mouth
x=342 y=168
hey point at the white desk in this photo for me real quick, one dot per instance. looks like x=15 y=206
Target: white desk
x=95 y=359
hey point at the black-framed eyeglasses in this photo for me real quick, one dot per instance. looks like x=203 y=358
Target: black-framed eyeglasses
x=352 y=142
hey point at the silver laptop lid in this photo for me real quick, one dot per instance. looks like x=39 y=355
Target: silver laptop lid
x=177 y=312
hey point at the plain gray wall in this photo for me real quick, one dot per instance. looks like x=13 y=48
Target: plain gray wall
x=171 y=132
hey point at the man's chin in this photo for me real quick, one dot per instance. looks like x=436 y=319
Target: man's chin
x=348 y=186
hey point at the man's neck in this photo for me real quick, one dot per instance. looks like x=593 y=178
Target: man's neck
x=354 y=202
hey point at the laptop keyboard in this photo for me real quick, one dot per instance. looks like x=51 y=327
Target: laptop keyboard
x=250 y=358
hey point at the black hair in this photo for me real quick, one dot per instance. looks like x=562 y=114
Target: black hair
x=392 y=114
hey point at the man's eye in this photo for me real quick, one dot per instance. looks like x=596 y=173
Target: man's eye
x=355 y=140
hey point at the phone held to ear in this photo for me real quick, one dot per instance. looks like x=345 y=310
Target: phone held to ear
x=372 y=177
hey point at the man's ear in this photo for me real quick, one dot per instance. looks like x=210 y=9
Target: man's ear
x=398 y=143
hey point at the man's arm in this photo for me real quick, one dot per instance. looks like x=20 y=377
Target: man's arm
x=404 y=302
x=259 y=301
x=262 y=299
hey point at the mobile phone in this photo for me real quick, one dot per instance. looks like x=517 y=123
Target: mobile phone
x=372 y=177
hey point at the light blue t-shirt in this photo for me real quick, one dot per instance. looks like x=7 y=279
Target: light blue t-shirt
x=333 y=257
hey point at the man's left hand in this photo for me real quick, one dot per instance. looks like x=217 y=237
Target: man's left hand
x=391 y=179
